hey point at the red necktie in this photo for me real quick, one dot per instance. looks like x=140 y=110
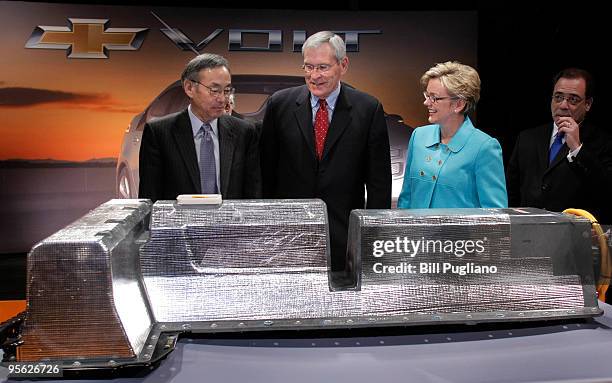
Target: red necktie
x=320 y=127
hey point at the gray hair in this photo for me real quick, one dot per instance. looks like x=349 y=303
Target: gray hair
x=459 y=79
x=203 y=61
x=323 y=37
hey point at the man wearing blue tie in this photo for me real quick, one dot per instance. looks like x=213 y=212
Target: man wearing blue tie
x=200 y=150
x=566 y=163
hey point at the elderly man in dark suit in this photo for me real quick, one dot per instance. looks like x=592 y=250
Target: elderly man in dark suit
x=566 y=163
x=200 y=150
x=327 y=140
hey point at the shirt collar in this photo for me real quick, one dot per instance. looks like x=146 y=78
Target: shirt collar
x=331 y=99
x=458 y=141
x=555 y=130
x=554 y=134
x=196 y=123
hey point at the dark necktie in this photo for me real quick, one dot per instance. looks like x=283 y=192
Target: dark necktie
x=208 y=168
x=320 y=127
x=555 y=147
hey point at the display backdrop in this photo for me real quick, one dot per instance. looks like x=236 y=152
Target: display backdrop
x=65 y=102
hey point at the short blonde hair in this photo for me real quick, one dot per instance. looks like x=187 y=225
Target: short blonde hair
x=460 y=80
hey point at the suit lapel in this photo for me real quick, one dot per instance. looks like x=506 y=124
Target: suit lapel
x=226 y=151
x=303 y=115
x=340 y=120
x=183 y=137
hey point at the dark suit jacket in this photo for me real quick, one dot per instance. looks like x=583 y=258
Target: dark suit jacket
x=169 y=165
x=583 y=183
x=356 y=154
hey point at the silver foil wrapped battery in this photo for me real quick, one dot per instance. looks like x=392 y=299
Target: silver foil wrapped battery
x=118 y=285
x=85 y=297
x=493 y=262
x=242 y=260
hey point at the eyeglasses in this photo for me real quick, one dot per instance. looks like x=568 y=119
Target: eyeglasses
x=322 y=68
x=216 y=92
x=572 y=99
x=435 y=99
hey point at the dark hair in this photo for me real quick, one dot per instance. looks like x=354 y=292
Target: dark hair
x=203 y=61
x=574 y=73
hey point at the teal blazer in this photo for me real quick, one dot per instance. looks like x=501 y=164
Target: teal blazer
x=468 y=172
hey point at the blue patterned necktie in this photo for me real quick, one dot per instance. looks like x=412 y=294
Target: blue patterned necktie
x=555 y=147
x=208 y=168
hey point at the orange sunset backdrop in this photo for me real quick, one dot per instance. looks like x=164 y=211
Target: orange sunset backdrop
x=77 y=109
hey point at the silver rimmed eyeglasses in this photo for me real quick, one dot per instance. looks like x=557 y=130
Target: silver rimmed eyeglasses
x=216 y=92
x=435 y=99
x=321 y=68
x=572 y=99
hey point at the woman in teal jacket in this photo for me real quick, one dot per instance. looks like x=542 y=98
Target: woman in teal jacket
x=451 y=163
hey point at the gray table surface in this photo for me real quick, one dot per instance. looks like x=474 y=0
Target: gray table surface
x=570 y=352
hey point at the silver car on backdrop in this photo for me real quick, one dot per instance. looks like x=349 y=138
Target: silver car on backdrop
x=252 y=92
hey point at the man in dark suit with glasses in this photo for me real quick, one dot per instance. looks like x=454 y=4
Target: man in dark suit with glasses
x=566 y=163
x=327 y=140
x=200 y=150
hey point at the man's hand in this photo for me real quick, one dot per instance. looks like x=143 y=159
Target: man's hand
x=571 y=129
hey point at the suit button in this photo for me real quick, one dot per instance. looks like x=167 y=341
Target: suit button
x=422 y=173
x=544 y=187
x=433 y=178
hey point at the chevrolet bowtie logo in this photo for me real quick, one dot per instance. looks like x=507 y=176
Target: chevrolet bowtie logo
x=87 y=38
